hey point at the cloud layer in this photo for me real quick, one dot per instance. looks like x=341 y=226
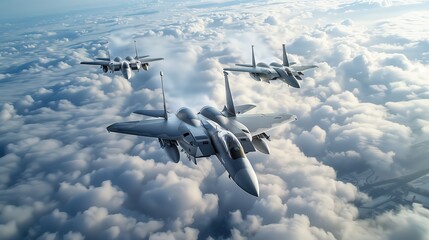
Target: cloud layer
x=63 y=176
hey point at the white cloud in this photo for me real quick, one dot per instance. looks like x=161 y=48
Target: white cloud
x=63 y=176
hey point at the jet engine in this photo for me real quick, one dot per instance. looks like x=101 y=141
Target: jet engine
x=145 y=66
x=170 y=147
x=105 y=68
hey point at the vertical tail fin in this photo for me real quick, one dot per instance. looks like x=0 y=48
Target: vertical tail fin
x=163 y=96
x=253 y=58
x=230 y=109
x=285 y=59
x=108 y=51
x=135 y=48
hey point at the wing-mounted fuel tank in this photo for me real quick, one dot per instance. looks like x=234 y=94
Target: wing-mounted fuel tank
x=260 y=144
x=170 y=147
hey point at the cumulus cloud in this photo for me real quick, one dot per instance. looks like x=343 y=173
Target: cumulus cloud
x=62 y=176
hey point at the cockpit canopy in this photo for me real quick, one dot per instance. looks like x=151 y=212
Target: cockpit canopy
x=117 y=59
x=129 y=58
x=233 y=146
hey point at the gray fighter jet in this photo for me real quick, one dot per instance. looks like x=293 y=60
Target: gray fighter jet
x=288 y=72
x=124 y=65
x=227 y=134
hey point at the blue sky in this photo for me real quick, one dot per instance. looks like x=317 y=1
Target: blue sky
x=23 y=9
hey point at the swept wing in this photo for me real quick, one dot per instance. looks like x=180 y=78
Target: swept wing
x=244 y=108
x=155 y=128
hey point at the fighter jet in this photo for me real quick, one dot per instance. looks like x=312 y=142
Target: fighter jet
x=124 y=65
x=227 y=134
x=288 y=72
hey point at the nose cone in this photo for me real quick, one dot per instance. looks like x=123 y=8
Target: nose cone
x=293 y=82
x=127 y=74
x=246 y=179
x=297 y=85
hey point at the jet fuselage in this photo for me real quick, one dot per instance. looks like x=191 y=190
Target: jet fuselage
x=201 y=136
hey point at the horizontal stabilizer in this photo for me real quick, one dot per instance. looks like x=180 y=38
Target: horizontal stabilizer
x=151 y=113
x=244 y=108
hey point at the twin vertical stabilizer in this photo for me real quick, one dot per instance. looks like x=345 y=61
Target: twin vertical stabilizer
x=285 y=59
x=135 y=48
x=230 y=109
x=163 y=96
x=253 y=58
